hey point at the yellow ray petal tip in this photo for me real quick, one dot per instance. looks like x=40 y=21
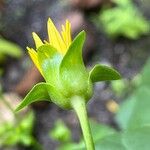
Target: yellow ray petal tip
x=37 y=40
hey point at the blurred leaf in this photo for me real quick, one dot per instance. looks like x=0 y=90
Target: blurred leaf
x=118 y=21
x=140 y=116
x=106 y=138
x=12 y=134
x=136 y=139
x=9 y=48
x=60 y=132
x=112 y=142
x=145 y=75
x=119 y=86
x=135 y=111
x=122 y=2
x=125 y=112
x=99 y=132
x=72 y=146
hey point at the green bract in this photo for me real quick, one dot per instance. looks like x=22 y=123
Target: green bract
x=66 y=76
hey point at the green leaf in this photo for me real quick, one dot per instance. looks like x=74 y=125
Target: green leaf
x=110 y=18
x=60 y=132
x=38 y=93
x=105 y=138
x=72 y=69
x=119 y=86
x=124 y=114
x=99 y=131
x=49 y=60
x=103 y=134
x=137 y=139
x=111 y=142
x=140 y=116
x=9 y=48
x=72 y=146
x=145 y=74
x=19 y=132
x=134 y=112
x=103 y=73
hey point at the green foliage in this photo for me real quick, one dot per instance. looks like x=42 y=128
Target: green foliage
x=8 y=48
x=123 y=20
x=60 y=132
x=12 y=133
x=135 y=109
x=138 y=110
x=136 y=139
x=145 y=76
x=119 y=86
x=98 y=131
x=112 y=142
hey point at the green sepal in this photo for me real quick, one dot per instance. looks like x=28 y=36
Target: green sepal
x=57 y=96
x=38 y=93
x=49 y=59
x=73 y=73
x=103 y=73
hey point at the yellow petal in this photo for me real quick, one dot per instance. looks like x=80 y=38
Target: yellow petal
x=55 y=38
x=33 y=55
x=68 y=28
x=46 y=42
x=37 y=40
x=66 y=33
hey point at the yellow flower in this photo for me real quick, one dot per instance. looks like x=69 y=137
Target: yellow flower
x=60 y=42
x=60 y=62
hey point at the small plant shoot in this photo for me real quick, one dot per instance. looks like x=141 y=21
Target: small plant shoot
x=68 y=83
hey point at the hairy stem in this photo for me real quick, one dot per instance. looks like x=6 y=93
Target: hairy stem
x=78 y=104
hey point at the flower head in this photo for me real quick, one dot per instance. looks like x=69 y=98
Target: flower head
x=60 y=62
x=68 y=82
x=60 y=42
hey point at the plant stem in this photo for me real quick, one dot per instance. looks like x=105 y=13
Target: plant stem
x=79 y=105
